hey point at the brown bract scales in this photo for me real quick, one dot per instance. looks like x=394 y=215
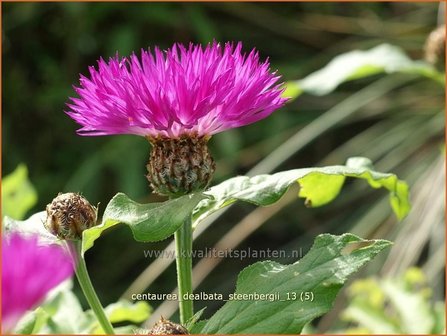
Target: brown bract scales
x=180 y=166
x=68 y=215
x=166 y=327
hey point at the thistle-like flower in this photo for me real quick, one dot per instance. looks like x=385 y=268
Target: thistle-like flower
x=177 y=99
x=29 y=272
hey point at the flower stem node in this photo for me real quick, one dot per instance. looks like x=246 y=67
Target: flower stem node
x=68 y=215
x=166 y=327
x=179 y=166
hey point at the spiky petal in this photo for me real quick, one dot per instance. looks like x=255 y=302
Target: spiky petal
x=184 y=90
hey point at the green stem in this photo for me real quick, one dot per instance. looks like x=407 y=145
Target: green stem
x=183 y=251
x=89 y=291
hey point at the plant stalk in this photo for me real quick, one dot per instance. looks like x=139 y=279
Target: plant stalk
x=89 y=291
x=183 y=255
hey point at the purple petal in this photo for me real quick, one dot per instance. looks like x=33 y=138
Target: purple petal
x=29 y=272
x=183 y=90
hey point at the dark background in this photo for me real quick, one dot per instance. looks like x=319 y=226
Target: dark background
x=47 y=45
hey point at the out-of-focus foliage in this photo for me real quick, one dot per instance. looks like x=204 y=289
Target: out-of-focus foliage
x=18 y=194
x=398 y=305
x=358 y=64
x=62 y=313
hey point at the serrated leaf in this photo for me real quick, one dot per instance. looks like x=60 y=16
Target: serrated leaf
x=322 y=272
x=317 y=185
x=148 y=222
x=357 y=64
x=18 y=194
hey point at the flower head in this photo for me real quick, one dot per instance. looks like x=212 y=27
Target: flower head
x=29 y=272
x=68 y=215
x=177 y=99
x=191 y=90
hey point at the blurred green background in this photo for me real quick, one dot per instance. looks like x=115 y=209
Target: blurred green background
x=47 y=45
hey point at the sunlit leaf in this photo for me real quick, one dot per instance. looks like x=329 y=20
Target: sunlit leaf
x=123 y=311
x=319 y=275
x=317 y=185
x=18 y=194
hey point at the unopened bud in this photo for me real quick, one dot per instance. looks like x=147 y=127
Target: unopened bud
x=68 y=215
x=166 y=327
x=180 y=166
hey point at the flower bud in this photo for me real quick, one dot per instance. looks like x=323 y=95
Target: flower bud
x=68 y=215
x=180 y=166
x=166 y=327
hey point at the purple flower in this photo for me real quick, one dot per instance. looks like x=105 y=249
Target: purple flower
x=29 y=271
x=182 y=91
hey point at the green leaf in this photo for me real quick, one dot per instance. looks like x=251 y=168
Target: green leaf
x=357 y=64
x=317 y=185
x=66 y=315
x=148 y=222
x=439 y=318
x=18 y=194
x=124 y=310
x=61 y=313
x=193 y=320
x=292 y=89
x=320 y=273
